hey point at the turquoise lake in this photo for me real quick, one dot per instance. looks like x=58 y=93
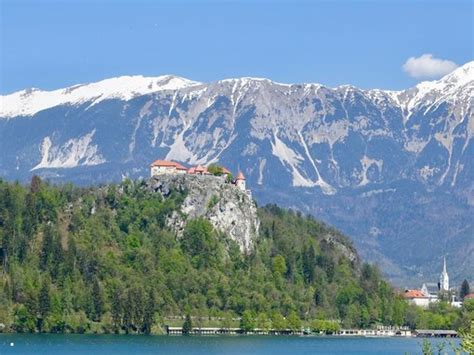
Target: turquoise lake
x=241 y=345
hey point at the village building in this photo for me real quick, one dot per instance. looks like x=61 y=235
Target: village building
x=456 y=302
x=418 y=297
x=198 y=170
x=165 y=167
x=430 y=289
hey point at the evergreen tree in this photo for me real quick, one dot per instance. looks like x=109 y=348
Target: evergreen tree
x=318 y=296
x=35 y=184
x=187 y=325
x=47 y=247
x=56 y=257
x=98 y=301
x=128 y=312
x=44 y=304
x=279 y=265
x=139 y=304
x=44 y=300
x=30 y=221
x=465 y=289
x=31 y=302
x=308 y=263
x=199 y=241
x=148 y=317
x=116 y=309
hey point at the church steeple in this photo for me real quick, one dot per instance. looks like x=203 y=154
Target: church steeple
x=444 y=278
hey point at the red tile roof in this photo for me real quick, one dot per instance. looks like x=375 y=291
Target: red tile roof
x=225 y=171
x=240 y=176
x=198 y=170
x=414 y=294
x=168 y=163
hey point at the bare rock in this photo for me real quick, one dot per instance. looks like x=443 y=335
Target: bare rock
x=230 y=210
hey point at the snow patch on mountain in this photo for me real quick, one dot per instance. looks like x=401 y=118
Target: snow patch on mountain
x=285 y=153
x=292 y=159
x=456 y=86
x=178 y=150
x=30 y=101
x=261 y=166
x=75 y=152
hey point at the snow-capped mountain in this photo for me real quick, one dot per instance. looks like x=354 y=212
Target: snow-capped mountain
x=30 y=101
x=393 y=169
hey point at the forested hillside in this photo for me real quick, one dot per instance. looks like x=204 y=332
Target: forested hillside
x=102 y=259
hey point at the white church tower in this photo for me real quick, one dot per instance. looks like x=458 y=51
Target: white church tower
x=444 y=278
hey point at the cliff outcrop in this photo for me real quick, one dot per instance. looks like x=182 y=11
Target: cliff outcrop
x=230 y=210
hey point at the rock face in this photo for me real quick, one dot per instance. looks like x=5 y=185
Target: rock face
x=230 y=210
x=391 y=169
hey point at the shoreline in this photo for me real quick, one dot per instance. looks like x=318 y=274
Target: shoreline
x=383 y=332
x=223 y=335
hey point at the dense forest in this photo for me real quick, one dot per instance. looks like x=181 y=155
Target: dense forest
x=101 y=259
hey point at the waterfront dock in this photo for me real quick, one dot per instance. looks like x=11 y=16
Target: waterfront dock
x=231 y=331
x=379 y=332
x=435 y=333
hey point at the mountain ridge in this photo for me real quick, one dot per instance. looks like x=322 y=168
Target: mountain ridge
x=153 y=85
x=390 y=168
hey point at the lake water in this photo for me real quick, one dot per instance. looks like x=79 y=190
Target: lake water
x=203 y=345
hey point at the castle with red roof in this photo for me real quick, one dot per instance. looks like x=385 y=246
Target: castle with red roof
x=168 y=167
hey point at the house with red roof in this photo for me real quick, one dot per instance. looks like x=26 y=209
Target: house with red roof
x=225 y=171
x=166 y=167
x=418 y=297
x=198 y=170
x=469 y=296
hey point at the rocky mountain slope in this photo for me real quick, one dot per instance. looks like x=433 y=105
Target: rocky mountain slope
x=392 y=169
x=229 y=210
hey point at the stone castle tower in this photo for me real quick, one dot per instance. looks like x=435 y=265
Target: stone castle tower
x=240 y=181
x=444 y=278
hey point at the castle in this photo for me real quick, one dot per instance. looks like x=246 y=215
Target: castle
x=167 y=167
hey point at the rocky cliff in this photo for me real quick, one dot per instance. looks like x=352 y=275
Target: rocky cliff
x=230 y=210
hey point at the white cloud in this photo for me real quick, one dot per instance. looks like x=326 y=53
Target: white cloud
x=426 y=66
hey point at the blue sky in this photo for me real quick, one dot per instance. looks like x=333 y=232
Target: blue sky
x=52 y=44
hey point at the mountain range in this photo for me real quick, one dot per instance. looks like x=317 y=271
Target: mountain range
x=394 y=170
